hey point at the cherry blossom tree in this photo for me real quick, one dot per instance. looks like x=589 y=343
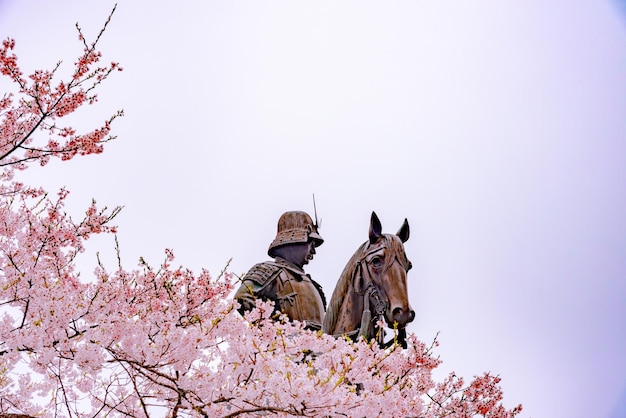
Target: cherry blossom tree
x=164 y=341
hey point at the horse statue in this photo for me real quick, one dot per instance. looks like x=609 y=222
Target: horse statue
x=374 y=279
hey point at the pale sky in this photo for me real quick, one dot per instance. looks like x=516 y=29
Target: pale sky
x=497 y=128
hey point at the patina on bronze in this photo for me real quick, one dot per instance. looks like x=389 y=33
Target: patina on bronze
x=283 y=280
x=372 y=287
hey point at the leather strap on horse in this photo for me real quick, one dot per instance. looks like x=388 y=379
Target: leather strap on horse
x=366 y=319
x=367 y=329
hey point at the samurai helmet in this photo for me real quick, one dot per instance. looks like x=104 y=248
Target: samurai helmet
x=295 y=227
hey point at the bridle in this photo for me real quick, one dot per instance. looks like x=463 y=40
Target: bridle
x=372 y=297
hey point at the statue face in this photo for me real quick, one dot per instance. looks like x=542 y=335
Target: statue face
x=297 y=253
x=310 y=247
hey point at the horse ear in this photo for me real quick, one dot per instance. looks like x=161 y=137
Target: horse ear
x=376 y=228
x=404 y=231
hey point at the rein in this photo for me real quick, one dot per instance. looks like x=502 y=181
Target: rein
x=367 y=329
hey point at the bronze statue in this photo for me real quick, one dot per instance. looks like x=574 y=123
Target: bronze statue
x=372 y=287
x=283 y=280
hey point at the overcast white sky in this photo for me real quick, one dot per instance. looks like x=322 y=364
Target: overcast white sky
x=497 y=128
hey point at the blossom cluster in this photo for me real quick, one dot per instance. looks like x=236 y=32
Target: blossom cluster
x=30 y=127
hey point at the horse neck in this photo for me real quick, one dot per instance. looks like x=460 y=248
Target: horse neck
x=345 y=308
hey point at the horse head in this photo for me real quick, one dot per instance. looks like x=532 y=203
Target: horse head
x=386 y=265
x=372 y=286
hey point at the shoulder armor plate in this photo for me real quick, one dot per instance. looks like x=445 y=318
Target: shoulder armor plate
x=262 y=273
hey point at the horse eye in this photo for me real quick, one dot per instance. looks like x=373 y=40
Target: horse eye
x=377 y=261
x=409 y=266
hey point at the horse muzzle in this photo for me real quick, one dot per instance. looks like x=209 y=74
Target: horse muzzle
x=402 y=316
